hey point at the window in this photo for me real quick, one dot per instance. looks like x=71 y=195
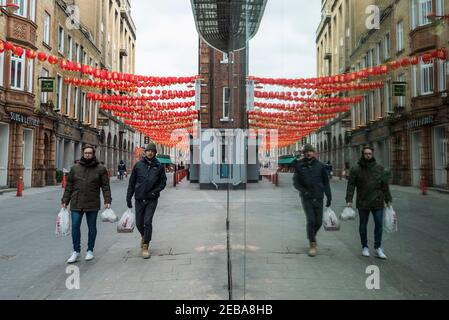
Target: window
x=420 y=10
x=401 y=100
x=380 y=111
x=371 y=115
x=68 y=93
x=33 y=10
x=365 y=110
x=70 y=47
x=89 y=112
x=442 y=75
x=2 y=65
x=400 y=36
x=225 y=58
x=77 y=52
x=22 y=8
x=83 y=106
x=440 y=7
x=61 y=39
x=30 y=75
x=387 y=92
x=17 y=72
x=59 y=93
x=426 y=78
x=387 y=46
x=76 y=102
x=414 y=81
x=354 y=119
x=44 y=95
x=226 y=96
x=378 y=52
x=94 y=123
x=46 y=28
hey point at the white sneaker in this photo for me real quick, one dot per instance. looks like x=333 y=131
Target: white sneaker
x=380 y=254
x=90 y=256
x=365 y=252
x=75 y=257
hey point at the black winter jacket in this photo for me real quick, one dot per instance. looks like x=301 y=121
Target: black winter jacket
x=311 y=180
x=147 y=180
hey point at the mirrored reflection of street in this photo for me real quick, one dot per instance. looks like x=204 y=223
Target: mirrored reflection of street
x=189 y=259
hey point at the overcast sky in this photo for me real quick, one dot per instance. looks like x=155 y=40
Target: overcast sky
x=167 y=41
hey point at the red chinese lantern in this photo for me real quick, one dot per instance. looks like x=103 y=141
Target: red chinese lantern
x=31 y=54
x=426 y=58
x=414 y=60
x=9 y=46
x=442 y=54
x=405 y=62
x=18 y=51
x=42 y=56
x=53 y=59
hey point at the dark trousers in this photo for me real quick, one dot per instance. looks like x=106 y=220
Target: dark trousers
x=77 y=218
x=378 y=215
x=314 y=214
x=144 y=218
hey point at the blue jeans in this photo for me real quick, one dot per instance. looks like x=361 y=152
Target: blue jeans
x=378 y=229
x=77 y=218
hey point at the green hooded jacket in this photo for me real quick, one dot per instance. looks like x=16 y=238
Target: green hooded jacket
x=84 y=183
x=371 y=182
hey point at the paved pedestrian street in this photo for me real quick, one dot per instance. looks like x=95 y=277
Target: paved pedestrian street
x=189 y=249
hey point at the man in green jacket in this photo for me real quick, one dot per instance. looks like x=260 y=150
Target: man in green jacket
x=83 y=193
x=373 y=193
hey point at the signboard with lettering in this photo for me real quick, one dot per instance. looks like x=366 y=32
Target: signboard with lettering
x=47 y=85
x=25 y=119
x=399 y=89
x=416 y=123
x=103 y=122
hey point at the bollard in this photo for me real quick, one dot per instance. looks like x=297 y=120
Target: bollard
x=423 y=186
x=64 y=181
x=19 y=187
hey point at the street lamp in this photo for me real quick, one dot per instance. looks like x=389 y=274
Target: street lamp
x=10 y=7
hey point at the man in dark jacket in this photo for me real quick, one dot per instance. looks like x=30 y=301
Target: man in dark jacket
x=83 y=194
x=121 y=169
x=312 y=181
x=373 y=193
x=147 y=181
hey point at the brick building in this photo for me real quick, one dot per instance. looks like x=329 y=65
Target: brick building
x=44 y=132
x=408 y=132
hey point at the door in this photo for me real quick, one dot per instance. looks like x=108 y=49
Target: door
x=440 y=156
x=4 y=145
x=27 y=157
x=416 y=157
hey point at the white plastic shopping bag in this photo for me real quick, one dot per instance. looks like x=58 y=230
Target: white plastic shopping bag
x=63 y=223
x=348 y=214
x=330 y=220
x=108 y=215
x=127 y=222
x=391 y=220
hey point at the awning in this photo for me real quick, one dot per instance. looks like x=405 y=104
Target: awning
x=164 y=160
x=287 y=161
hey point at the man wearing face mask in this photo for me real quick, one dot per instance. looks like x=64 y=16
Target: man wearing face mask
x=82 y=192
x=312 y=181
x=373 y=193
x=147 y=181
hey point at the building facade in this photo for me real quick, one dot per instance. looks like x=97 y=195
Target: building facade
x=409 y=133
x=42 y=133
